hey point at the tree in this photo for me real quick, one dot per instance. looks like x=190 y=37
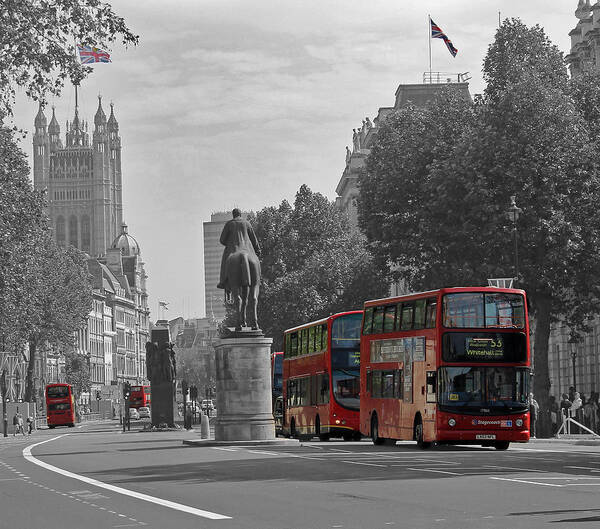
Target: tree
x=308 y=252
x=77 y=372
x=37 y=42
x=525 y=137
x=60 y=302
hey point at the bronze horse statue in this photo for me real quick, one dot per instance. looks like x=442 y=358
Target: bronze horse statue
x=240 y=269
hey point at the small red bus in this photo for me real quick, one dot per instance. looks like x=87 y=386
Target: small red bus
x=139 y=397
x=321 y=369
x=60 y=406
x=447 y=366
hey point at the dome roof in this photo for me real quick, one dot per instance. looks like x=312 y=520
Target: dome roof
x=126 y=243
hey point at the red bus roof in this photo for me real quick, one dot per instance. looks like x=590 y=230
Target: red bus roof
x=57 y=384
x=447 y=290
x=324 y=320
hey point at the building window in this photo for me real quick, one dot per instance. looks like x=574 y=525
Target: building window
x=86 y=234
x=61 y=235
x=73 y=228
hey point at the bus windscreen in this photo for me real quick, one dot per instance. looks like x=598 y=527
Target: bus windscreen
x=484 y=310
x=58 y=392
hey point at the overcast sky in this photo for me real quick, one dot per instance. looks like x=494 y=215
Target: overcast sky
x=230 y=103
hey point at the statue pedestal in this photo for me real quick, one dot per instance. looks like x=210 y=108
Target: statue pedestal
x=244 y=407
x=162 y=407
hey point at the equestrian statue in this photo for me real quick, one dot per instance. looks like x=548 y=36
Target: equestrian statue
x=240 y=268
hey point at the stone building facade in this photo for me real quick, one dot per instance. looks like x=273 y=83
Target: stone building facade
x=83 y=181
x=82 y=178
x=585 y=38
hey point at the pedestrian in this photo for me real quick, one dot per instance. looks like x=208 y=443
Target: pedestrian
x=20 y=425
x=534 y=410
x=29 y=424
x=15 y=422
x=554 y=414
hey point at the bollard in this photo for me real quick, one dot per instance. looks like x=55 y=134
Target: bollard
x=204 y=427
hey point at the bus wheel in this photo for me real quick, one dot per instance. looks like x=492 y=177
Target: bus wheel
x=51 y=426
x=321 y=436
x=419 y=434
x=71 y=425
x=501 y=445
x=375 y=431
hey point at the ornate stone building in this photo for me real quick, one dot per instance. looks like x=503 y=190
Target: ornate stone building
x=82 y=179
x=585 y=38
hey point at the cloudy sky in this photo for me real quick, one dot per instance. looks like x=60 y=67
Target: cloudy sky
x=230 y=103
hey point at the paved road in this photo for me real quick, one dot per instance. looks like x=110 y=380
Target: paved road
x=309 y=486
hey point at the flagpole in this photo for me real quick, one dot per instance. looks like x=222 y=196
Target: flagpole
x=429 y=40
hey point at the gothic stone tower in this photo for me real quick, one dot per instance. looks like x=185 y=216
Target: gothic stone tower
x=83 y=181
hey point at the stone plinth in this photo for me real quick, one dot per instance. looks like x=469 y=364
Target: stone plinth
x=244 y=407
x=163 y=403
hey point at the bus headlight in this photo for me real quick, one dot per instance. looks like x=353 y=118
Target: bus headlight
x=519 y=422
x=337 y=421
x=451 y=422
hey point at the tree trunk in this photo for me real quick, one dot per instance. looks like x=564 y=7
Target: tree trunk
x=541 y=377
x=30 y=382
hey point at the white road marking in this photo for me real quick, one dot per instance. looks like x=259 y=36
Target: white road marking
x=585 y=468
x=119 y=490
x=436 y=471
x=527 y=482
x=365 y=464
x=262 y=452
x=224 y=449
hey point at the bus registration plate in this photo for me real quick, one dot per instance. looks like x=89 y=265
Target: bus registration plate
x=486 y=436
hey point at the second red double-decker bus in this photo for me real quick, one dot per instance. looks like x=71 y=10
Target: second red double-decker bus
x=139 y=397
x=446 y=366
x=321 y=369
x=60 y=406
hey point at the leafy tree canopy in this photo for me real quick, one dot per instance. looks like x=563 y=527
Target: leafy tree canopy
x=308 y=252
x=37 y=41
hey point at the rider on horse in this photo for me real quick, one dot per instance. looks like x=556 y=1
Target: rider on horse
x=237 y=235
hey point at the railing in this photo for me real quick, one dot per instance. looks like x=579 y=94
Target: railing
x=445 y=77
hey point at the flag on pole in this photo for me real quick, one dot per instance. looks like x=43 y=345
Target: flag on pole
x=91 y=54
x=437 y=33
x=163 y=304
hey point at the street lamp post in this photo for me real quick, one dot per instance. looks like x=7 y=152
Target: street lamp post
x=574 y=358
x=513 y=214
x=3 y=389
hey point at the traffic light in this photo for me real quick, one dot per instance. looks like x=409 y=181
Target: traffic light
x=98 y=395
x=126 y=390
x=193 y=392
x=184 y=387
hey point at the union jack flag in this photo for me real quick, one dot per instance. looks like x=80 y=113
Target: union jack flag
x=437 y=33
x=91 y=54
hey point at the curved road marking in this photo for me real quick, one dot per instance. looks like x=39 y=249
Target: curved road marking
x=138 y=495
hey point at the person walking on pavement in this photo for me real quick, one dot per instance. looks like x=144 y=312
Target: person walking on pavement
x=534 y=409
x=29 y=424
x=15 y=422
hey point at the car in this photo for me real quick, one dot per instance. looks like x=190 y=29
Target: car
x=144 y=412
x=207 y=404
x=133 y=414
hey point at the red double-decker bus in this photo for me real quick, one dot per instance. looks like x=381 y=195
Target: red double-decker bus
x=446 y=366
x=321 y=369
x=139 y=397
x=60 y=406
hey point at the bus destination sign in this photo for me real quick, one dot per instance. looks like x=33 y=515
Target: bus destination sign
x=484 y=348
